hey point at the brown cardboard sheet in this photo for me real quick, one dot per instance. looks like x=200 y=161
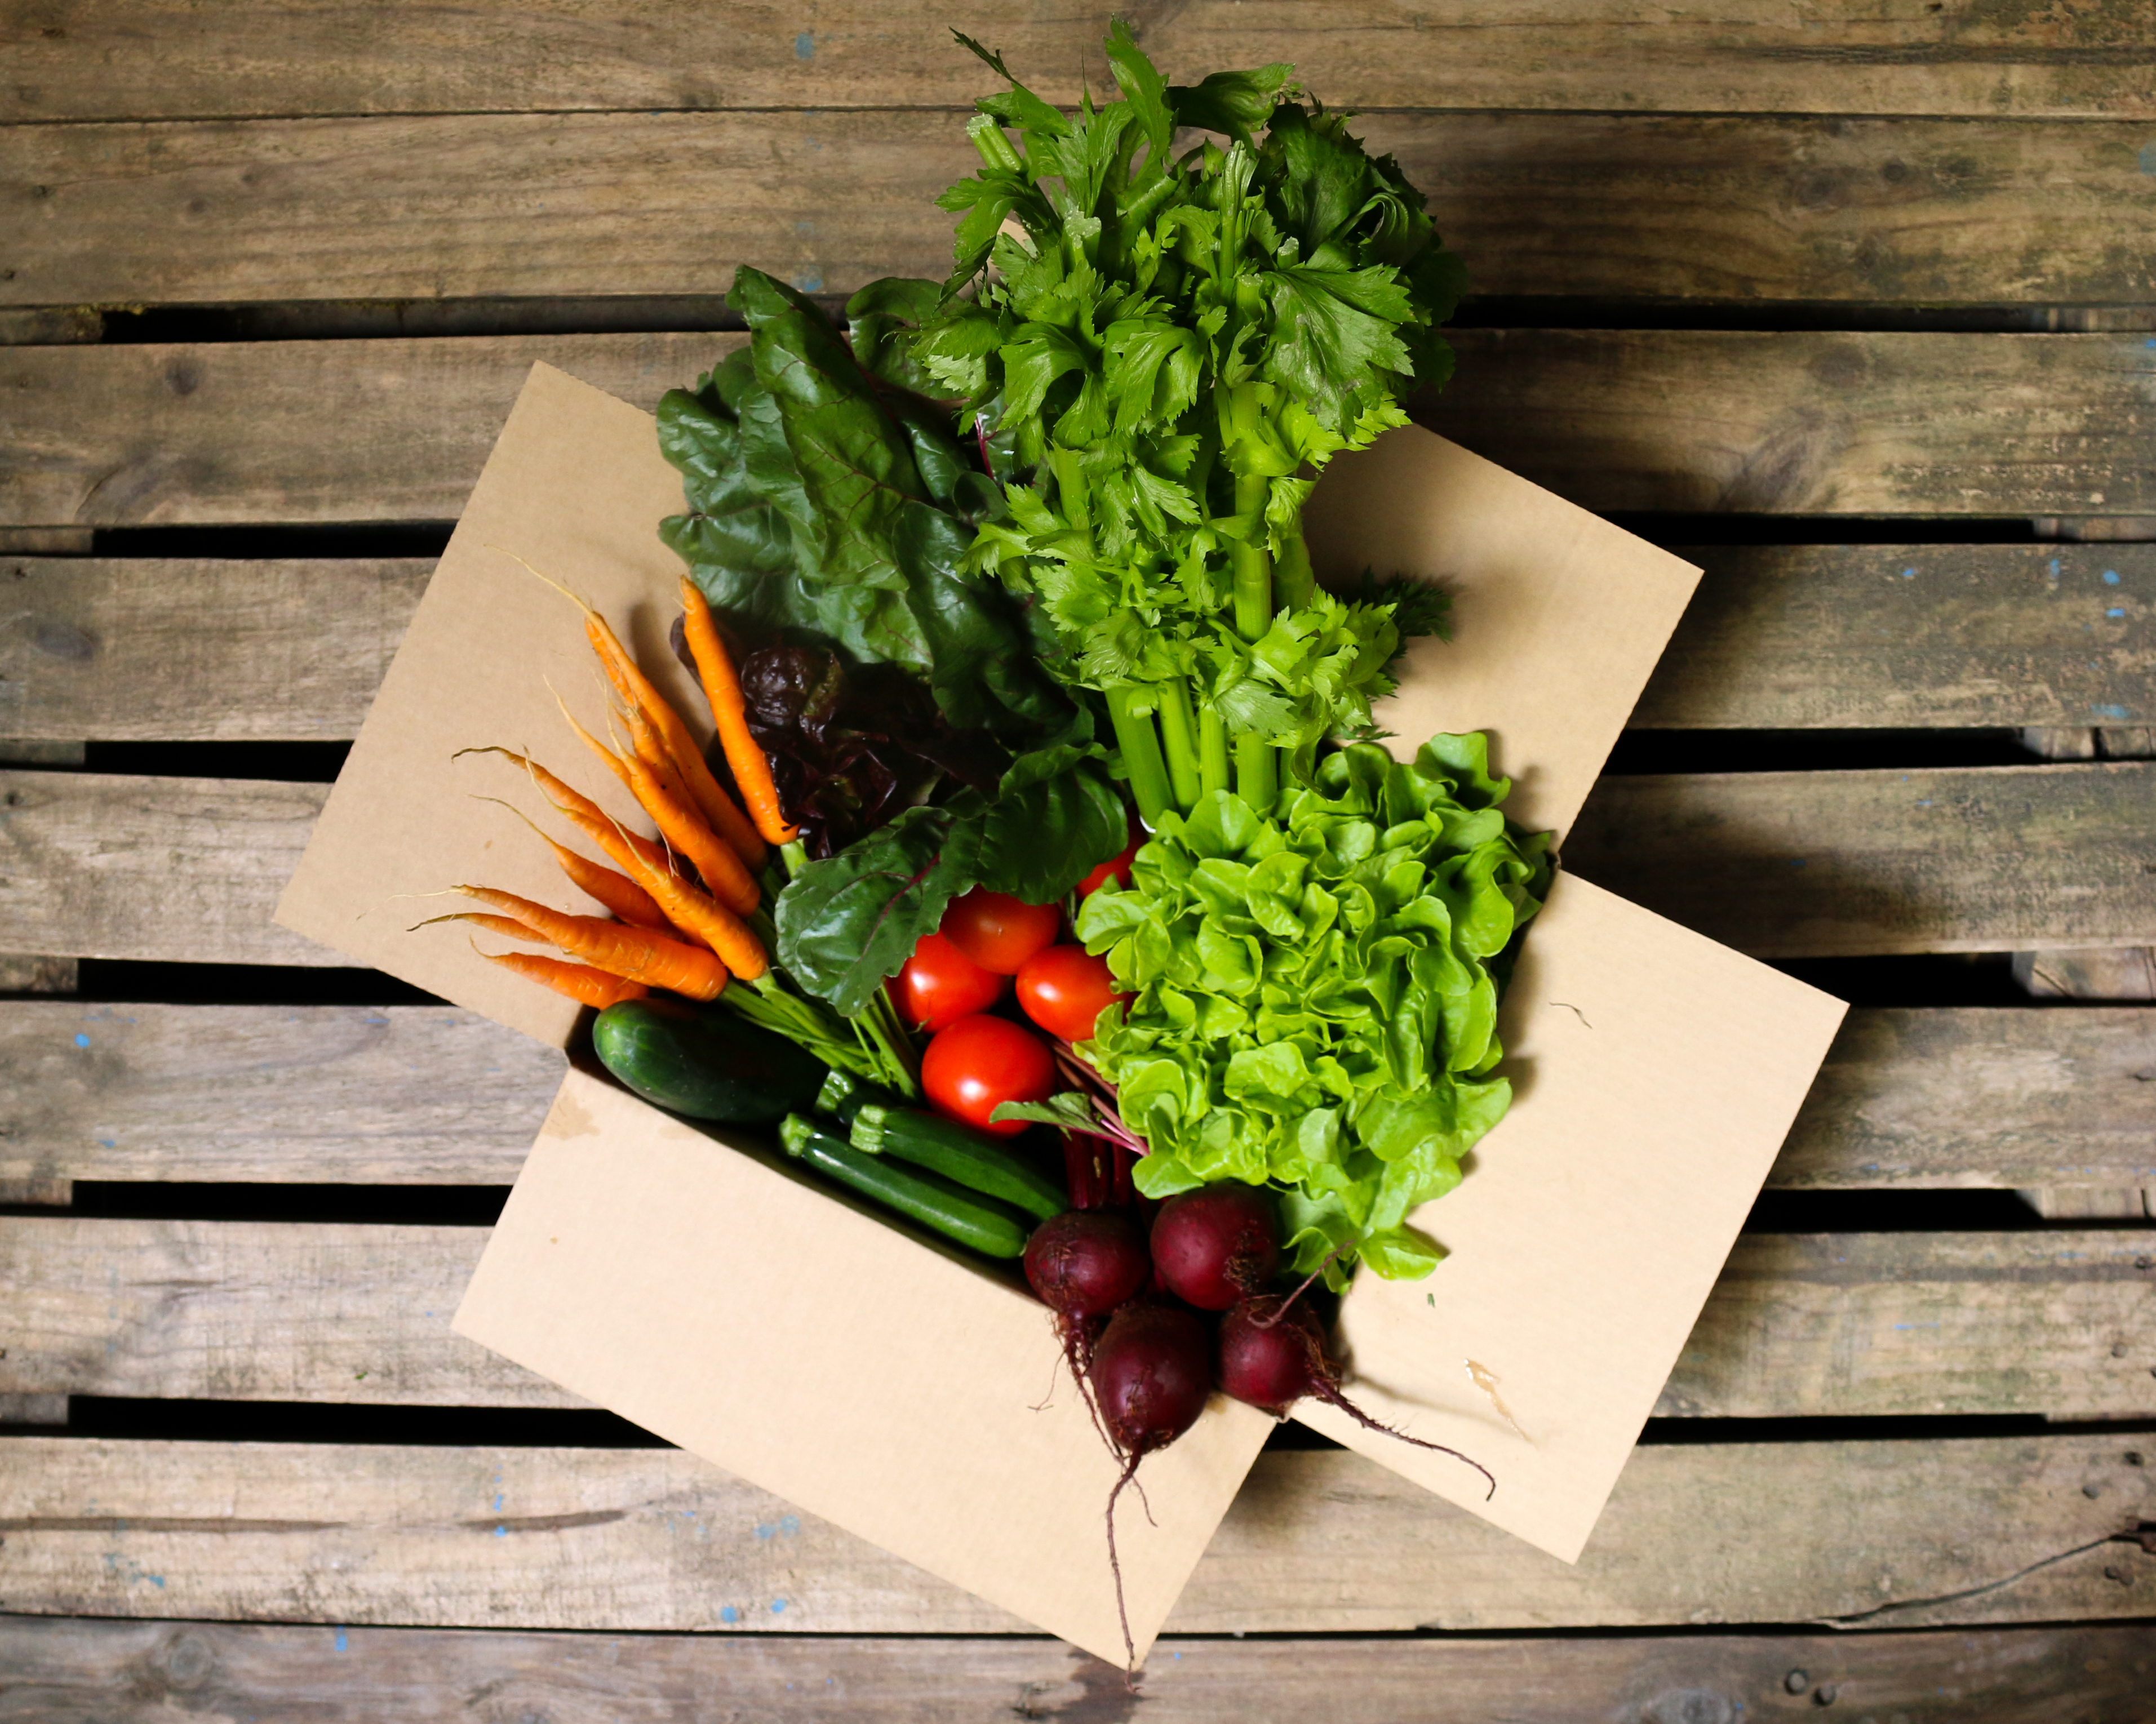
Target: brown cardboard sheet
x=576 y=486
x=855 y=1370
x=1655 y=1076
x=757 y=1321
x=1557 y=617
x=689 y=1288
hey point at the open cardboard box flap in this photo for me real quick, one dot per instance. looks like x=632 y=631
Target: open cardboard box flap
x=783 y=1333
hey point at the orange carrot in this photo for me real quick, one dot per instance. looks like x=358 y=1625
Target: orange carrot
x=580 y=981
x=751 y=766
x=615 y=763
x=505 y=925
x=635 y=954
x=700 y=916
x=659 y=792
x=650 y=747
x=709 y=796
x=617 y=891
x=637 y=690
x=724 y=876
x=585 y=814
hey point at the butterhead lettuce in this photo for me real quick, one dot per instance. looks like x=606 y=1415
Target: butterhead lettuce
x=1316 y=994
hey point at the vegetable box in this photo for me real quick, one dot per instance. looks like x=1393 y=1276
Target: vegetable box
x=693 y=1282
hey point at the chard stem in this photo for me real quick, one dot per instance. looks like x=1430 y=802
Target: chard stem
x=880 y=1025
x=1179 y=731
x=1140 y=743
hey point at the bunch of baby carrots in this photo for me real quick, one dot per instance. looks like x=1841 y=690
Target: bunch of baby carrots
x=679 y=904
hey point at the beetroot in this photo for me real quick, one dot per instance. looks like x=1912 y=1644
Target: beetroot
x=1272 y=1353
x=1151 y=1373
x=1216 y=1244
x=1085 y=1262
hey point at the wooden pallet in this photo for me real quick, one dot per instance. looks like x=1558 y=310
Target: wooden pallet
x=1853 y=305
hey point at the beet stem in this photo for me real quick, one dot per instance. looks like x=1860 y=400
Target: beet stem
x=1268 y=1322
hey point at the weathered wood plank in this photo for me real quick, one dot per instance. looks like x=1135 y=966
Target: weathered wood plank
x=164 y=59
x=357 y=1094
x=1779 y=638
x=1903 y=1535
x=1929 y=636
x=1809 y=863
x=1978 y=1097
x=1781 y=864
x=1828 y=423
x=181 y=870
x=1923 y=1323
x=76 y=1670
x=249 y=1312
x=1902 y=210
x=246 y=432
x=120 y=651
x=2122 y=973
x=1839 y=1325
x=425 y=1094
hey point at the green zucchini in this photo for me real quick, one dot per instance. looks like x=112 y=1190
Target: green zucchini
x=958 y=1152
x=845 y=1094
x=705 y=1064
x=974 y=1221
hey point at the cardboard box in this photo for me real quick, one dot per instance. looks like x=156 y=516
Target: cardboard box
x=693 y=1282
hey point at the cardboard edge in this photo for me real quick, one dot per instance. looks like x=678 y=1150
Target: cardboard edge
x=1330 y=1423
x=1146 y=1624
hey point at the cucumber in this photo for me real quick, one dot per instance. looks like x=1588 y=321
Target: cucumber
x=959 y=1154
x=705 y=1064
x=974 y=1221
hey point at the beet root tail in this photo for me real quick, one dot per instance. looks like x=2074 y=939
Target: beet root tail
x=1116 y=1568
x=1331 y=1395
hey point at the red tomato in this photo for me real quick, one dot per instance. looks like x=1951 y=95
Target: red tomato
x=1117 y=868
x=1063 y=989
x=940 y=984
x=979 y=1062
x=998 y=932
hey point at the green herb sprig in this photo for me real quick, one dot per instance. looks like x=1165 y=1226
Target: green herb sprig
x=1158 y=368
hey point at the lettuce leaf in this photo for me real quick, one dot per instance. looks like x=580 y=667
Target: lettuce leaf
x=1315 y=996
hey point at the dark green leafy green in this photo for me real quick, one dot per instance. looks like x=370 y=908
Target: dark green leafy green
x=832 y=510
x=1315 y=1007
x=847 y=922
x=828 y=505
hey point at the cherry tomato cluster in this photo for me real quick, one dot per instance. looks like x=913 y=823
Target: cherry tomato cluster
x=958 y=976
